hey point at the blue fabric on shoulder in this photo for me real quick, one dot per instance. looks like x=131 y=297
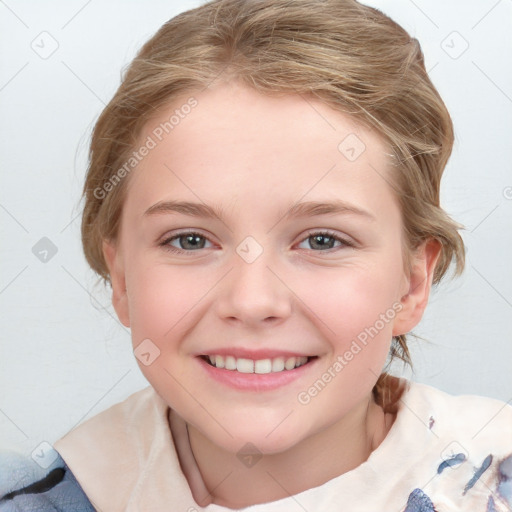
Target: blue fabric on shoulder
x=27 y=486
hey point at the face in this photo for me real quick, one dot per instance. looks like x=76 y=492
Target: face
x=260 y=232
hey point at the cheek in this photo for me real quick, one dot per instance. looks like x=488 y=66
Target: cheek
x=160 y=298
x=163 y=302
x=355 y=315
x=348 y=302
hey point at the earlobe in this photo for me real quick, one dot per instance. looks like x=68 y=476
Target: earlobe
x=414 y=302
x=118 y=282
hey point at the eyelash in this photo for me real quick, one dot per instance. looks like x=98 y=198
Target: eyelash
x=165 y=244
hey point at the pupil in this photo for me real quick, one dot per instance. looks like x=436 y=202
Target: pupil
x=322 y=242
x=191 y=242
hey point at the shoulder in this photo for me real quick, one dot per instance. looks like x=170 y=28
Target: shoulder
x=128 y=421
x=479 y=418
x=50 y=482
x=45 y=485
x=111 y=452
x=142 y=403
x=462 y=447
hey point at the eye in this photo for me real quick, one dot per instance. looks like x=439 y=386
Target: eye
x=185 y=242
x=324 y=241
x=191 y=241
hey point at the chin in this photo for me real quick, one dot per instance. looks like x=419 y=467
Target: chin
x=262 y=437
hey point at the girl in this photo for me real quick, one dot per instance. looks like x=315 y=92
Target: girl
x=263 y=199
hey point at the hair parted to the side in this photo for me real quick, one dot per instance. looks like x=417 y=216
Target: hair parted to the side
x=349 y=56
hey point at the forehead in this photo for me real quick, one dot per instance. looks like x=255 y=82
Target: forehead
x=254 y=149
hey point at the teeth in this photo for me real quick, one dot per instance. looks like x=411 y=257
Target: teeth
x=278 y=364
x=290 y=363
x=243 y=365
x=261 y=366
x=230 y=363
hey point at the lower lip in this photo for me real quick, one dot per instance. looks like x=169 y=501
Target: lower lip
x=256 y=381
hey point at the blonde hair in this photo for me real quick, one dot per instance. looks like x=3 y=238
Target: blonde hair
x=349 y=56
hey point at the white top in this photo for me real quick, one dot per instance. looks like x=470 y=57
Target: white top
x=451 y=453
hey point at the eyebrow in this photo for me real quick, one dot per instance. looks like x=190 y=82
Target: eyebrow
x=303 y=209
x=312 y=208
x=185 y=208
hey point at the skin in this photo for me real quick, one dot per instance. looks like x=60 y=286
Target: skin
x=254 y=156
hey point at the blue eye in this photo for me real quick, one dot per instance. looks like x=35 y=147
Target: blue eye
x=185 y=242
x=323 y=241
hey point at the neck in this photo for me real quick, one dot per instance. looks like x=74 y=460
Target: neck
x=323 y=456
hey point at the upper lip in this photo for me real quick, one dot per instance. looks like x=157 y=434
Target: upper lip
x=252 y=354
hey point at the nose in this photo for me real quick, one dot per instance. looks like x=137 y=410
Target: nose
x=253 y=294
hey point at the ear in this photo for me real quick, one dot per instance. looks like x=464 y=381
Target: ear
x=419 y=282
x=117 y=278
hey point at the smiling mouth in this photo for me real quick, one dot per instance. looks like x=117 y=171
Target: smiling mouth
x=260 y=366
